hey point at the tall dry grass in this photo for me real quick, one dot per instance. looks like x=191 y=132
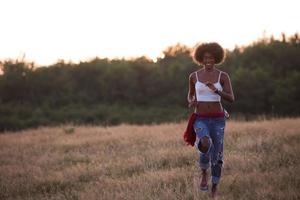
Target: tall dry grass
x=147 y=162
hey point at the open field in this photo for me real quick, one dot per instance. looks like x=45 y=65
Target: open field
x=148 y=162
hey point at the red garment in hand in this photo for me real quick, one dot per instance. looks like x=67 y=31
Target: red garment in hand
x=189 y=135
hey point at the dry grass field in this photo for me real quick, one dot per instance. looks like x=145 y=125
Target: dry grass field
x=148 y=162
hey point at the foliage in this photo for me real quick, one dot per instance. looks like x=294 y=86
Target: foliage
x=265 y=77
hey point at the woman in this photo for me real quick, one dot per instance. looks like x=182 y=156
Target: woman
x=207 y=87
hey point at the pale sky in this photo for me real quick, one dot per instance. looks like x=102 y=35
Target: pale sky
x=78 y=30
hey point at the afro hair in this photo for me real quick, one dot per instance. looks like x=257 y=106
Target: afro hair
x=213 y=48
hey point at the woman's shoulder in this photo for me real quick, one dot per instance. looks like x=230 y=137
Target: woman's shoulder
x=224 y=77
x=193 y=75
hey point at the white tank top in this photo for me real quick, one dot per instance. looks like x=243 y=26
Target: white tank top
x=205 y=94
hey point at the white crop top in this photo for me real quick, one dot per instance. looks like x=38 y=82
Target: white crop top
x=205 y=94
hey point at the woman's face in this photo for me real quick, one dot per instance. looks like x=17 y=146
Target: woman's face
x=208 y=60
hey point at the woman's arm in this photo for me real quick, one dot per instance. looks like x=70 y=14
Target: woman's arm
x=227 y=92
x=191 y=98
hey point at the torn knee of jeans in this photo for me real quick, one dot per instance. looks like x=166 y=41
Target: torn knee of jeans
x=204 y=149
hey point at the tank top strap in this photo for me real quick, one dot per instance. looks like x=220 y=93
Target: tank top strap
x=219 y=77
x=196 y=76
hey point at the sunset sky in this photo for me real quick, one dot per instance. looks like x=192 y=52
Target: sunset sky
x=78 y=30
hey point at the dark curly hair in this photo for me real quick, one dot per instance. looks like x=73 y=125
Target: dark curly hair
x=213 y=48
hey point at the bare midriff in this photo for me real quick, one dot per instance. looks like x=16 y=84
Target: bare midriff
x=208 y=107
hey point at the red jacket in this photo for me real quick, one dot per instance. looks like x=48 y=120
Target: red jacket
x=189 y=135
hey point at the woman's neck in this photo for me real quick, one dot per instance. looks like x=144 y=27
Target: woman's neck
x=209 y=69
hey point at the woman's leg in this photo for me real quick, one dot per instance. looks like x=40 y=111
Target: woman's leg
x=204 y=148
x=203 y=144
x=217 y=136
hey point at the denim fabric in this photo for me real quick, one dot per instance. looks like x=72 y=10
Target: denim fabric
x=213 y=128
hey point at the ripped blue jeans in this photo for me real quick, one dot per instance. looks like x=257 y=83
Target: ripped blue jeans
x=213 y=128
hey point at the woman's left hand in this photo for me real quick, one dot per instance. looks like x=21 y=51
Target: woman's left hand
x=210 y=85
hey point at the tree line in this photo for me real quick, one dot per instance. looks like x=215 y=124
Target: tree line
x=265 y=77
